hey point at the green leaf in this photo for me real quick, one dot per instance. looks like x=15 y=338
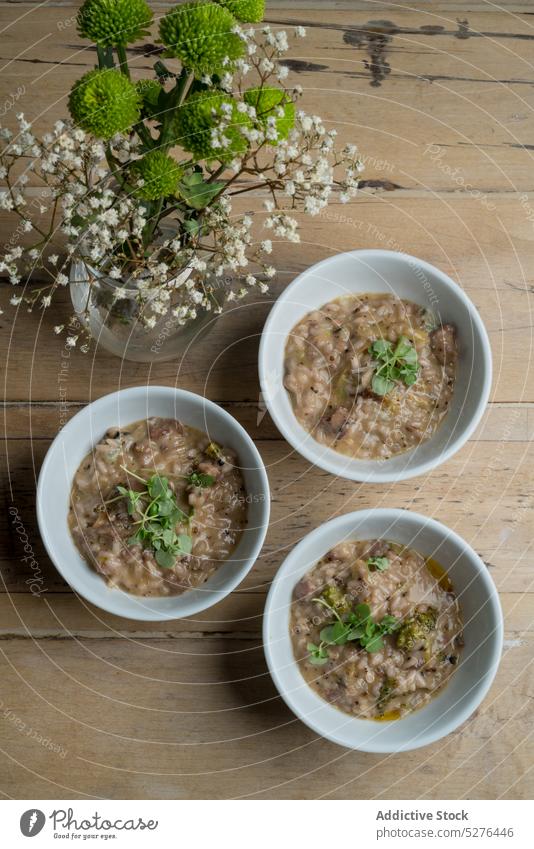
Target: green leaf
x=374 y=644
x=379 y=564
x=409 y=378
x=361 y=613
x=157 y=486
x=355 y=633
x=335 y=634
x=165 y=508
x=389 y=624
x=200 y=479
x=380 y=348
x=318 y=654
x=191 y=226
x=165 y=559
x=186 y=543
x=381 y=385
x=196 y=192
x=168 y=537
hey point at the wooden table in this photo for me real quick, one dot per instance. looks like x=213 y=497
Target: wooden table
x=439 y=97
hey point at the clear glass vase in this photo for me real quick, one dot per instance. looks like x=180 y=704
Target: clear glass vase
x=110 y=311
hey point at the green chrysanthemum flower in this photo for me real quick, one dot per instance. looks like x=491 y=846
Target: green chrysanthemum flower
x=112 y=22
x=160 y=173
x=104 y=103
x=200 y=35
x=267 y=103
x=197 y=120
x=149 y=92
x=248 y=11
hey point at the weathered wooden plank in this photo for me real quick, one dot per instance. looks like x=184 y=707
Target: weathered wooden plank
x=488 y=253
x=495 y=475
x=39 y=420
x=396 y=86
x=437 y=97
x=64 y=616
x=204 y=720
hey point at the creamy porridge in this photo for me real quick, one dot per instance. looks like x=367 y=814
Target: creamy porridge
x=157 y=507
x=376 y=628
x=370 y=375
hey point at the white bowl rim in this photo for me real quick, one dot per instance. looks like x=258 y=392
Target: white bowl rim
x=145 y=615
x=389 y=514
x=379 y=475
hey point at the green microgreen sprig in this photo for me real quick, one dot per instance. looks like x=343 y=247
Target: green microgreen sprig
x=200 y=479
x=393 y=364
x=159 y=515
x=356 y=626
x=377 y=564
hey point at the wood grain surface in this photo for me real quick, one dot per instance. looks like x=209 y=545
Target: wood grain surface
x=439 y=97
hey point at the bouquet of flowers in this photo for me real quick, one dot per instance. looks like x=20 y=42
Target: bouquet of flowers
x=141 y=179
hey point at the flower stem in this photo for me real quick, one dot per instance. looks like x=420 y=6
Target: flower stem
x=123 y=61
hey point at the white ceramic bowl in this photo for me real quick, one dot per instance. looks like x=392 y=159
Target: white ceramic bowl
x=76 y=439
x=479 y=659
x=380 y=272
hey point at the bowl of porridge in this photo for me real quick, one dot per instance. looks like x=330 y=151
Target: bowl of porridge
x=383 y=630
x=153 y=503
x=375 y=366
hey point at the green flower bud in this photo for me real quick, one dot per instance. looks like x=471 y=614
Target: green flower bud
x=248 y=11
x=112 y=22
x=197 y=118
x=267 y=103
x=104 y=103
x=200 y=35
x=149 y=92
x=160 y=173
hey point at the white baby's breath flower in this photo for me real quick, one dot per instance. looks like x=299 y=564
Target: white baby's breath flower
x=266 y=66
x=5 y=201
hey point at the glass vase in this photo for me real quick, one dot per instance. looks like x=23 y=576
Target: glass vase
x=110 y=310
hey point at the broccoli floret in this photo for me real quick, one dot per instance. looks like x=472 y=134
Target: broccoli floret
x=416 y=629
x=336 y=599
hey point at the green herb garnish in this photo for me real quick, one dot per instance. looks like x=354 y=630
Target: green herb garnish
x=378 y=564
x=159 y=515
x=394 y=364
x=318 y=654
x=356 y=626
x=385 y=694
x=200 y=479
